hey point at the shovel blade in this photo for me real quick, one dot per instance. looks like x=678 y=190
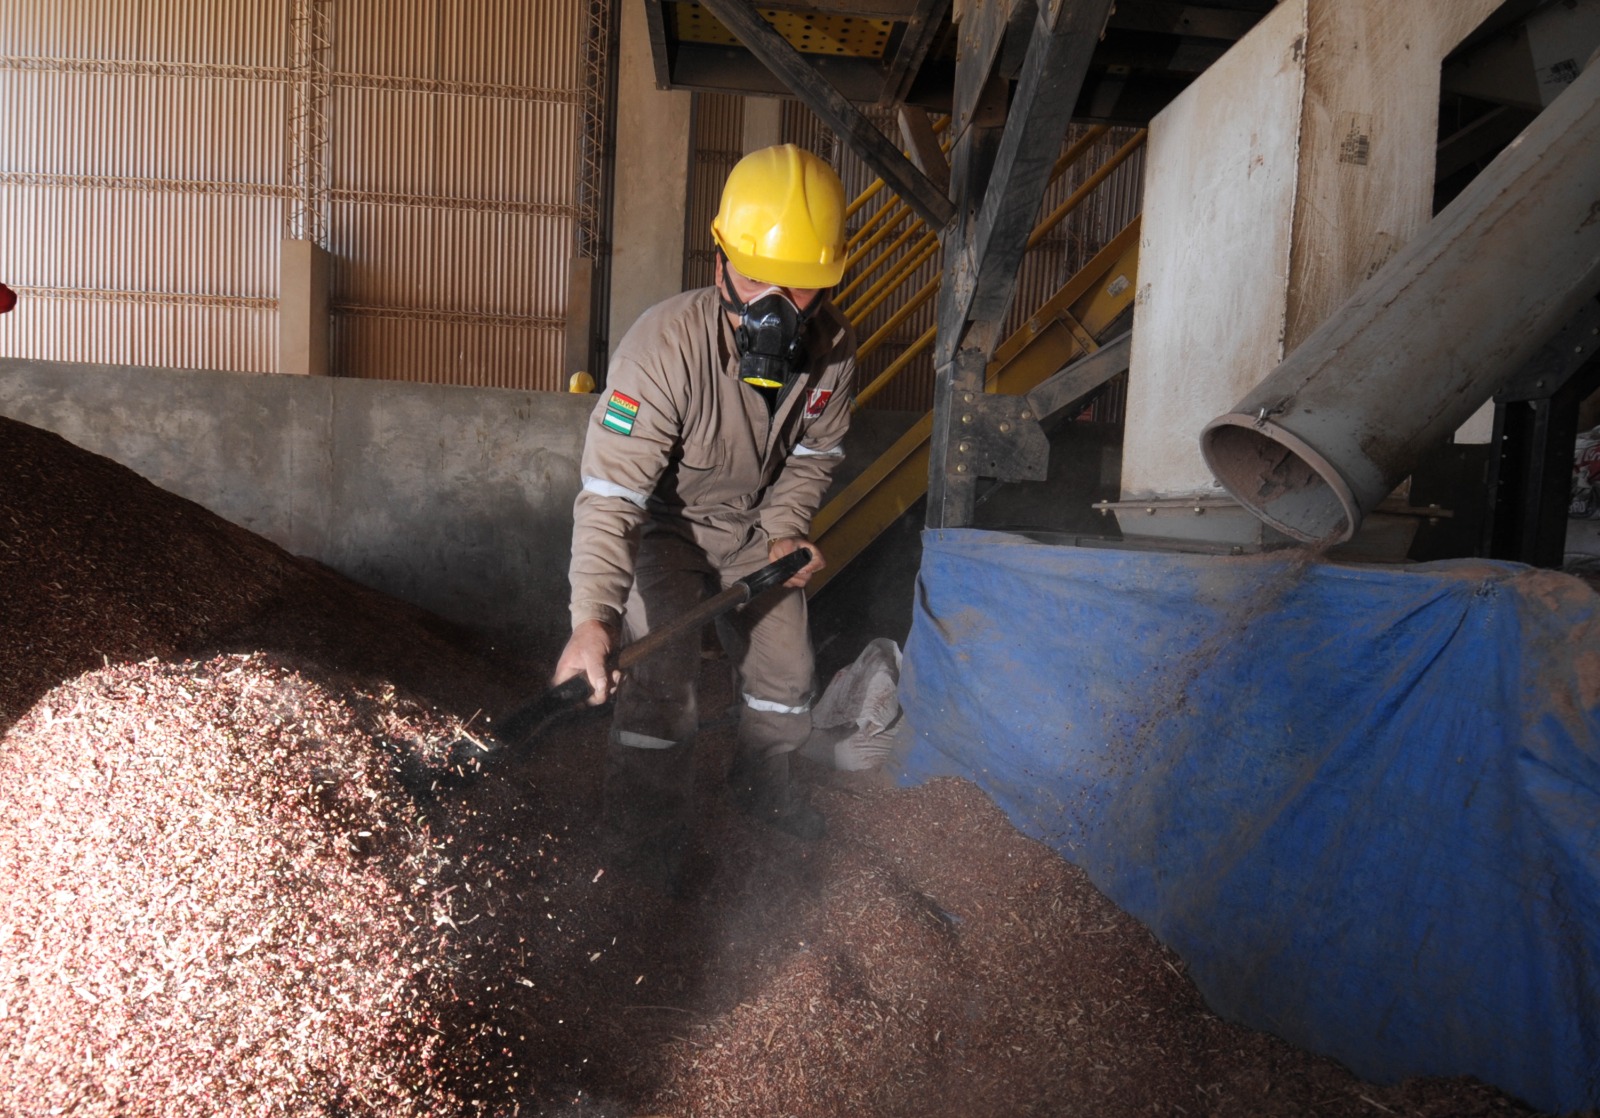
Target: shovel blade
x=470 y=757
x=523 y=726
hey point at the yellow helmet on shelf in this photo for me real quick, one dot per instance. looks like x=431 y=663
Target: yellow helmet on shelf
x=782 y=219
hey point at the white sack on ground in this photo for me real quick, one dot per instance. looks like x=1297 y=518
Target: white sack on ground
x=857 y=723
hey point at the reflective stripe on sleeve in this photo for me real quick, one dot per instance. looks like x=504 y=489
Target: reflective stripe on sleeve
x=774 y=708
x=603 y=488
x=801 y=450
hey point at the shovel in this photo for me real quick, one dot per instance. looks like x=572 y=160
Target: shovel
x=523 y=726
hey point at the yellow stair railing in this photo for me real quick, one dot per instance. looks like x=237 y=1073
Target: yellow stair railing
x=1068 y=326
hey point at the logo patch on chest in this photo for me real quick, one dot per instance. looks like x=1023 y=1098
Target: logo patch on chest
x=817 y=401
x=621 y=411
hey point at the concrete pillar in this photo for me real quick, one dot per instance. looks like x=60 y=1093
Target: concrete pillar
x=303 y=309
x=1287 y=174
x=580 y=324
x=1368 y=138
x=650 y=189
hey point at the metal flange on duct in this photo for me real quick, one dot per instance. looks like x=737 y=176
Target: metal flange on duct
x=1428 y=339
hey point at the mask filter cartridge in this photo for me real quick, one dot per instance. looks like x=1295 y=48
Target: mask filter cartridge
x=771 y=341
x=771 y=349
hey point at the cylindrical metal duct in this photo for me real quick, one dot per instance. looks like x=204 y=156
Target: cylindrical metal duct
x=1428 y=339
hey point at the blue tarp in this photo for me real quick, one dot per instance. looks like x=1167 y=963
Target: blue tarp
x=1362 y=803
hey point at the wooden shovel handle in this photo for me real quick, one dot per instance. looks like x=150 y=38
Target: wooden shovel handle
x=778 y=571
x=470 y=757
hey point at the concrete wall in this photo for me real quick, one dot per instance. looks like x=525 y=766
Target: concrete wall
x=1277 y=182
x=1214 y=250
x=456 y=499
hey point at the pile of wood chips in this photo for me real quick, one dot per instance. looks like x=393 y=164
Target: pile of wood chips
x=221 y=899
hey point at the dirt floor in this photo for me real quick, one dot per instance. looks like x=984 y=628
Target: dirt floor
x=223 y=899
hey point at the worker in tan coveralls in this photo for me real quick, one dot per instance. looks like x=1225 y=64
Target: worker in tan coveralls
x=721 y=423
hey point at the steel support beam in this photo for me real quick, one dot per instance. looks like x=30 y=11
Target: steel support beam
x=922 y=143
x=984 y=271
x=1100 y=297
x=847 y=122
x=952 y=488
x=998 y=183
x=983 y=33
x=1535 y=433
x=920 y=29
x=977 y=119
x=1080 y=378
x=310 y=27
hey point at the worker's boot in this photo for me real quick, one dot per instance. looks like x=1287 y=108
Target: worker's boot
x=645 y=818
x=763 y=789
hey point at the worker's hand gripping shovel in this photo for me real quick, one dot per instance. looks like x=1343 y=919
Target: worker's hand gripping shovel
x=519 y=730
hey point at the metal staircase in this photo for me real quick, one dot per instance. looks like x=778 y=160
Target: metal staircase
x=888 y=250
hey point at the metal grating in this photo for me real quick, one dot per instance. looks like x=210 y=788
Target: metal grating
x=807 y=32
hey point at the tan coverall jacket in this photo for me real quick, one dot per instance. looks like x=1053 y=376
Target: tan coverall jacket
x=686 y=480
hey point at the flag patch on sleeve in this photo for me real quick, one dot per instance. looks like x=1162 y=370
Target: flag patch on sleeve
x=817 y=401
x=621 y=411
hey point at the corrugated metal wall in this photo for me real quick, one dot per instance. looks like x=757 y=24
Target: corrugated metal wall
x=143 y=170
x=716 y=124
x=454 y=146
x=137 y=151
x=717 y=134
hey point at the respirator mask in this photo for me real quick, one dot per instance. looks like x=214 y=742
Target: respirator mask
x=771 y=339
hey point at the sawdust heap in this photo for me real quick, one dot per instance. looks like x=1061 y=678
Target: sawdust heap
x=99 y=565
x=175 y=834
x=221 y=900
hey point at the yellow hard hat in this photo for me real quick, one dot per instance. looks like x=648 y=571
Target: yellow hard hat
x=782 y=219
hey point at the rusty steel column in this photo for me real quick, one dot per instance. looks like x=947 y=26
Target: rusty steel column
x=310 y=85
x=1428 y=339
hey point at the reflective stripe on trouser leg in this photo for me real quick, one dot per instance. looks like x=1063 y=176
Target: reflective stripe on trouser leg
x=777 y=672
